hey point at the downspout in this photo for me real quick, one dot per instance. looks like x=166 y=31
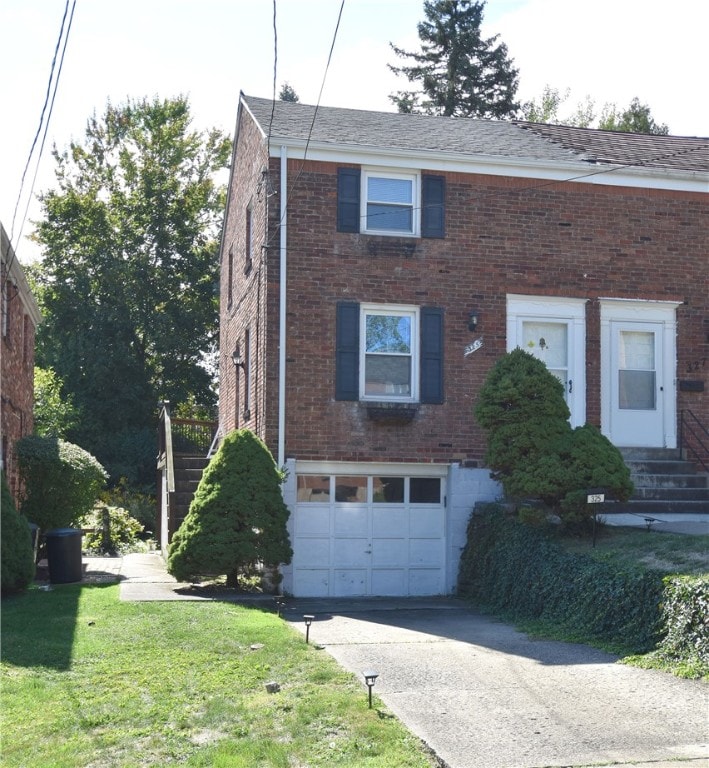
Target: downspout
x=282 y=311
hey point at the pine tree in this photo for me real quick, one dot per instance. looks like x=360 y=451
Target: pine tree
x=237 y=517
x=460 y=72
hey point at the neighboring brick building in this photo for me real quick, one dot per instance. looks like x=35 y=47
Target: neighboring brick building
x=20 y=317
x=375 y=265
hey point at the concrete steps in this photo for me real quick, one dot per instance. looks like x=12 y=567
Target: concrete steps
x=188 y=472
x=664 y=482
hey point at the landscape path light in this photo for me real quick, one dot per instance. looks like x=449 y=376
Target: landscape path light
x=370 y=677
x=308 y=619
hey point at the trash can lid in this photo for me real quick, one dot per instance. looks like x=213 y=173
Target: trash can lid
x=56 y=532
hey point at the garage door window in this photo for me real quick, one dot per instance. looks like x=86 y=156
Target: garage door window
x=313 y=488
x=351 y=489
x=425 y=490
x=388 y=490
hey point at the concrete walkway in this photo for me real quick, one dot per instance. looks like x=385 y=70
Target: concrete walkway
x=478 y=693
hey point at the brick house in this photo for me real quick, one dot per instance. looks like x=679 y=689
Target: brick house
x=375 y=265
x=20 y=317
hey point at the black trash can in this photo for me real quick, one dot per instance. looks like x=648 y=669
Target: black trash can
x=64 y=555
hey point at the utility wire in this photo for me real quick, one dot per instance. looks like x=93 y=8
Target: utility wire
x=44 y=109
x=46 y=126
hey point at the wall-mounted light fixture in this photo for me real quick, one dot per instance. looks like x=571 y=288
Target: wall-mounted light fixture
x=236 y=358
x=473 y=320
x=370 y=677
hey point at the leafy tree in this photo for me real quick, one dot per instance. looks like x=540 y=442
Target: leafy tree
x=460 y=72
x=61 y=480
x=54 y=414
x=237 y=517
x=16 y=556
x=127 y=280
x=635 y=119
x=287 y=93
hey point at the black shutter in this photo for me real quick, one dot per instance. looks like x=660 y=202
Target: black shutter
x=431 y=355
x=348 y=199
x=347 y=351
x=433 y=205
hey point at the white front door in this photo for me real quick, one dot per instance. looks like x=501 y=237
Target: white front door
x=553 y=330
x=369 y=535
x=637 y=385
x=638 y=370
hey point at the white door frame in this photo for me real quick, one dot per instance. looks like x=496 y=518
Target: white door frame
x=663 y=314
x=555 y=309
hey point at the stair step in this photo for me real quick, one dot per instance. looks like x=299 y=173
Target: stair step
x=671 y=494
x=661 y=467
x=649 y=507
x=650 y=454
x=669 y=481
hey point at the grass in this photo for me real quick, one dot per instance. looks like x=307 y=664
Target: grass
x=650 y=550
x=92 y=682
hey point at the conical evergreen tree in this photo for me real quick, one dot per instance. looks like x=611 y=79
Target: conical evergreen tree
x=237 y=517
x=460 y=72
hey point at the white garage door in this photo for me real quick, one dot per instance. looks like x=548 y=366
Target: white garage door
x=368 y=535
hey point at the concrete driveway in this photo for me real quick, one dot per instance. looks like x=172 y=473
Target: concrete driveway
x=482 y=695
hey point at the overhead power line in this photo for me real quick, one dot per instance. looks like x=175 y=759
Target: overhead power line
x=52 y=86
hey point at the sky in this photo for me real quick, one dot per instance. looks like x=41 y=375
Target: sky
x=210 y=50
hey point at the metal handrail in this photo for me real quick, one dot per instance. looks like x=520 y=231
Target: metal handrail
x=691 y=428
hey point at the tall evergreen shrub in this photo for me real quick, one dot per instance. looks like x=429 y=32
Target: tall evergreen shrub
x=237 y=517
x=16 y=555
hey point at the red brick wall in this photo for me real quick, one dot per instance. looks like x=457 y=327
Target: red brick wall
x=17 y=370
x=502 y=236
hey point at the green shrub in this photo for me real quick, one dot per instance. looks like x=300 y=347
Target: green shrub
x=521 y=572
x=237 y=517
x=17 y=556
x=61 y=480
x=110 y=531
x=685 y=615
x=531 y=448
x=135 y=502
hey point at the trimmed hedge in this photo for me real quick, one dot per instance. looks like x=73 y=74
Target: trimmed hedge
x=519 y=571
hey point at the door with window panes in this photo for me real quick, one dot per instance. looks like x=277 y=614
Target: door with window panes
x=368 y=535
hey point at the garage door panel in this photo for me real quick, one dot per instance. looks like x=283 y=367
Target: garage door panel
x=349 y=552
x=311 y=520
x=311 y=582
x=388 y=581
x=350 y=582
x=426 y=522
x=389 y=521
x=311 y=552
x=351 y=521
x=425 y=581
x=391 y=552
x=425 y=552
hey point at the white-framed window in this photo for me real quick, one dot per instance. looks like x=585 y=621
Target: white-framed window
x=391 y=202
x=389 y=344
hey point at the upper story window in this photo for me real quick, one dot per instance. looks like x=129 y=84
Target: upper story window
x=392 y=203
x=379 y=202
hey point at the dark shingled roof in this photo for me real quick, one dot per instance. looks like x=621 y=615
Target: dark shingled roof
x=470 y=136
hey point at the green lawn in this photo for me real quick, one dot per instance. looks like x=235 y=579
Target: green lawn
x=89 y=681
x=650 y=550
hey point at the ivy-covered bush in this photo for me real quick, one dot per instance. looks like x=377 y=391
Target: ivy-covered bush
x=110 y=531
x=237 y=517
x=520 y=572
x=61 y=480
x=532 y=449
x=685 y=616
x=16 y=554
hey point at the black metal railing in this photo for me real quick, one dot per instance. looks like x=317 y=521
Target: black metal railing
x=693 y=438
x=192 y=435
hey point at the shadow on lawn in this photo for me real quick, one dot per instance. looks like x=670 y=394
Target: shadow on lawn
x=38 y=626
